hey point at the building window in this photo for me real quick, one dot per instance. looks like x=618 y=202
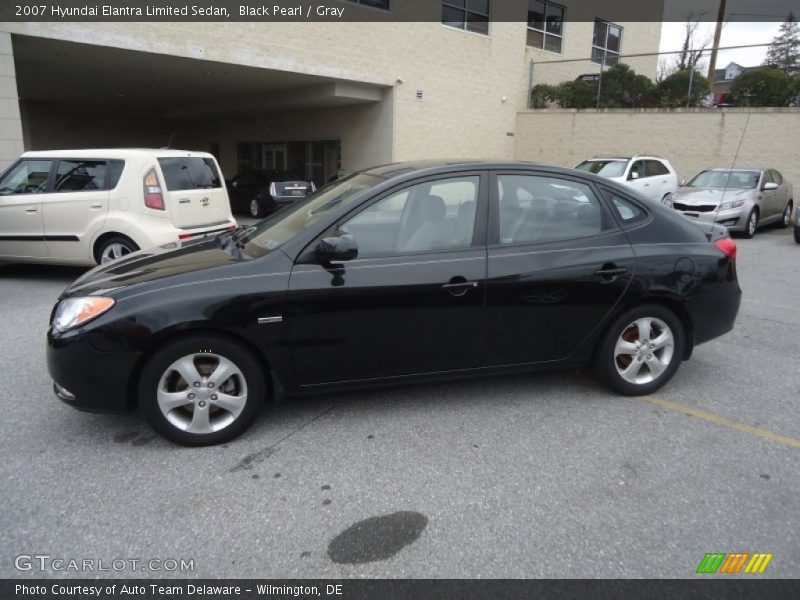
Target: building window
x=470 y=15
x=545 y=25
x=381 y=4
x=606 y=43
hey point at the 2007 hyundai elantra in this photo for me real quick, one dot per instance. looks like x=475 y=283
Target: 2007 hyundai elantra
x=395 y=273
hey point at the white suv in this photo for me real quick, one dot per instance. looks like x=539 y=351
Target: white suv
x=652 y=176
x=91 y=206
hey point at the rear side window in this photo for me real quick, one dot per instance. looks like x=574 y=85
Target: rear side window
x=115 y=168
x=655 y=167
x=80 y=176
x=189 y=173
x=627 y=211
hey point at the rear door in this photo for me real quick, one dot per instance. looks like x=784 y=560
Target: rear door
x=558 y=264
x=22 y=194
x=195 y=192
x=662 y=180
x=76 y=206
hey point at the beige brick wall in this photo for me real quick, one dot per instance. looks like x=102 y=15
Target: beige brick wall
x=473 y=86
x=691 y=139
x=11 y=145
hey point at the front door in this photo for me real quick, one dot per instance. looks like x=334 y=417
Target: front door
x=22 y=193
x=557 y=265
x=413 y=300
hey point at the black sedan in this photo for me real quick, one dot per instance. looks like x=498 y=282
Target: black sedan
x=259 y=193
x=396 y=273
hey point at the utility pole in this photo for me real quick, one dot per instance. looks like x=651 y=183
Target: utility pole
x=712 y=62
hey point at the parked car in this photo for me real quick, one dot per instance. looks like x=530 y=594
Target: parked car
x=396 y=273
x=651 y=176
x=740 y=199
x=259 y=193
x=92 y=206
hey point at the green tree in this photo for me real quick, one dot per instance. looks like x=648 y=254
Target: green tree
x=763 y=86
x=575 y=94
x=621 y=87
x=784 y=51
x=543 y=95
x=673 y=91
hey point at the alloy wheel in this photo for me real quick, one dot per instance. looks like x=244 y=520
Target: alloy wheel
x=787 y=214
x=752 y=222
x=202 y=393
x=644 y=350
x=114 y=251
x=255 y=208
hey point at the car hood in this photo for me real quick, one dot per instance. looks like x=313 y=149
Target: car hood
x=707 y=195
x=156 y=265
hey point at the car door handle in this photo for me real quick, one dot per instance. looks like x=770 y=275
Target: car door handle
x=611 y=271
x=459 y=288
x=31 y=209
x=96 y=206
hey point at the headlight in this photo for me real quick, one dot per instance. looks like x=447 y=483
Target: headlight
x=731 y=204
x=77 y=311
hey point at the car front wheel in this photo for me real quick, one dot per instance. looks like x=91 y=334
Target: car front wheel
x=787 y=215
x=642 y=350
x=752 y=224
x=201 y=390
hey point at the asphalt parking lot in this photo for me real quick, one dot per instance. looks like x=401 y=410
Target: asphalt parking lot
x=519 y=476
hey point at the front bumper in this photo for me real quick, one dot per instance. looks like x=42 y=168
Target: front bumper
x=86 y=378
x=734 y=219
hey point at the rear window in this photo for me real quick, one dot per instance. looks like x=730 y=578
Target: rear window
x=189 y=173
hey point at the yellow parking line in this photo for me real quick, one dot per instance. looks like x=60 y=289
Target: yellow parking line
x=719 y=420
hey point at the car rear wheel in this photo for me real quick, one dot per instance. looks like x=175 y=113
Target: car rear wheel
x=257 y=209
x=114 y=248
x=787 y=215
x=642 y=350
x=201 y=390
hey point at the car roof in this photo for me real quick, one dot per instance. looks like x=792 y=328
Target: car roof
x=727 y=169
x=115 y=153
x=434 y=167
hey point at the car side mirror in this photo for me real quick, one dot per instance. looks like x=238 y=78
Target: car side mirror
x=634 y=175
x=338 y=246
x=770 y=185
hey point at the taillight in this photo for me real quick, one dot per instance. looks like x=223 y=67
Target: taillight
x=153 y=198
x=727 y=246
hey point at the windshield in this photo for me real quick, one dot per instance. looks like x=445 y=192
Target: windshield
x=604 y=168
x=282 y=226
x=738 y=180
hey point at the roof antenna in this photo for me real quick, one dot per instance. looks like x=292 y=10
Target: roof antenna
x=728 y=178
x=172 y=137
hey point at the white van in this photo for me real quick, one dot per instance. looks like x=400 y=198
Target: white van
x=91 y=206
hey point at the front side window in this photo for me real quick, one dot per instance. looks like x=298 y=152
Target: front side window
x=426 y=217
x=80 y=176
x=606 y=43
x=637 y=170
x=189 y=173
x=535 y=209
x=28 y=176
x=545 y=25
x=470 y=15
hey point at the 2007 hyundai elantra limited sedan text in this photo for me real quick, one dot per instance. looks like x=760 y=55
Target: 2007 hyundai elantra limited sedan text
x=395 y=273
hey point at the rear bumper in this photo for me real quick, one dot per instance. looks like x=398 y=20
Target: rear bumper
x=714 y=314
x=86 y=378
x=158 y=232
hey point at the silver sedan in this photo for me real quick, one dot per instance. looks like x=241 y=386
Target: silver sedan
x=740 y=199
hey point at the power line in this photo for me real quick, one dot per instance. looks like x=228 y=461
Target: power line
x=641 y=54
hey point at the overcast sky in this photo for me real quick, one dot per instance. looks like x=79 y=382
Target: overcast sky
x=733 y=34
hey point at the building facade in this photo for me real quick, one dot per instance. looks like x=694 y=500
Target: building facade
x=315 y=98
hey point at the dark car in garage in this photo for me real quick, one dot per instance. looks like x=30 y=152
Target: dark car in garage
x=396 y=273
x=258 y=192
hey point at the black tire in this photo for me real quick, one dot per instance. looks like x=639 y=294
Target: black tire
x=786 y=217
x=608 y=363
x=256 y=208
x=205 y=351
x=797 y=234
x=116 y=244
x=750 y=227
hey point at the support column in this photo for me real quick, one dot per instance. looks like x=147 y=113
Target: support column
x=11 y=141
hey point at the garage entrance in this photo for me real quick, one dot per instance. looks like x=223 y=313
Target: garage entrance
x=76 y=95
